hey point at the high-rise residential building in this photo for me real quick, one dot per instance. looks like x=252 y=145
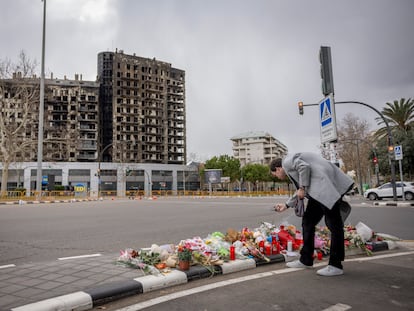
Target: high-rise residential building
x=70 y=118
x=257 y=147
x=142 y=110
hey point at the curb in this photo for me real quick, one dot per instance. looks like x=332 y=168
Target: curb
x=23 y=202
x=393 y=203
x=93 y=297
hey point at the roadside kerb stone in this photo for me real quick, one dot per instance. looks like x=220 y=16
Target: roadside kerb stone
x=106 y=292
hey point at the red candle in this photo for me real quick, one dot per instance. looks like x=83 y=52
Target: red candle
x=268 y=249
x=232 y=252
x=319 y=255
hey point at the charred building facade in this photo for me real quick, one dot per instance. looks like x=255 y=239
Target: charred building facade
x=142 y=110
x=70 y=118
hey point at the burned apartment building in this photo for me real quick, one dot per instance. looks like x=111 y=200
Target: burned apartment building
x=142 y=110
x=133 y=113
x=70 y=132
x=71 y=126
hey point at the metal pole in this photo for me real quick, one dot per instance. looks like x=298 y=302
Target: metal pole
x=402 y=181
x=184 y=180
x=99 y=178
x=359 y=169
x=149 y=190
x=41 y=109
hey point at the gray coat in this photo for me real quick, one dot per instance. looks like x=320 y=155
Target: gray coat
x=323 y=180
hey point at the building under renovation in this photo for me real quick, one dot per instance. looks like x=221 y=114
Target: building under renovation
x=142 y=110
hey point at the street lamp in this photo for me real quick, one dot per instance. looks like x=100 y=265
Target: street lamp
x=149 y=183
x=41 y=109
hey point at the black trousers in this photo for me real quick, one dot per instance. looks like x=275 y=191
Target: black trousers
x=313 y=215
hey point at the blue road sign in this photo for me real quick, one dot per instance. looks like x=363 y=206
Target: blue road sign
x=327 y=119
x=398 y=152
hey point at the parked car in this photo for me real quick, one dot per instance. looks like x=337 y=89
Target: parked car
x=385 y=191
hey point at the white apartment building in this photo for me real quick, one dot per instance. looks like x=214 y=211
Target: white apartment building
x=257 y=147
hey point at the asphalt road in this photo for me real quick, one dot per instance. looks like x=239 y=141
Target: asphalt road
x=383 y=283
x=41 y=232
x=44 y=232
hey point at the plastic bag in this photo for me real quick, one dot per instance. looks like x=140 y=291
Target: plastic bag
x=364 y=231
x=300 y=207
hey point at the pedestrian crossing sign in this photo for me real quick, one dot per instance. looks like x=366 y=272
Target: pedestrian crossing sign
x=398 y=152
x=327 y=120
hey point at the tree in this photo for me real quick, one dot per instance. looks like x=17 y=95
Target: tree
x=255 y=173
x=229 y=165
x=355 y=146
x=19 y=98
x=400 y=117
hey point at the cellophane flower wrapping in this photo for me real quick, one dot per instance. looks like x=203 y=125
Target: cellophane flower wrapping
x=130 y=258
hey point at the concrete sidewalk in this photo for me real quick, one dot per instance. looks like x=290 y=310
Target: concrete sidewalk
x=83 y=283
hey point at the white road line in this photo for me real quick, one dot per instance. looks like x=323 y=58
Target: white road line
x=196 y=290
x=380 y=256
x=7 y=266
x=81 y=256
x=338 y=307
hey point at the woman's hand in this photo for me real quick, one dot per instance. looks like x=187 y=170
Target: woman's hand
x=301 y=193
x=280 y=207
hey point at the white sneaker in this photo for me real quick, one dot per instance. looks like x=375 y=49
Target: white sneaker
x=330 y=271
x=297 y=264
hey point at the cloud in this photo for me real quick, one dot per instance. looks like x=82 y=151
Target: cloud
x=247 y=63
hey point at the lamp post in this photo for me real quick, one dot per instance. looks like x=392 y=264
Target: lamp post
x=41 y=109
x=149 y=183
x=184 y=180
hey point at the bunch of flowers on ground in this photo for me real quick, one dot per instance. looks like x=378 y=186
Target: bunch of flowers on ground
x=354 y=240
x=259 y=243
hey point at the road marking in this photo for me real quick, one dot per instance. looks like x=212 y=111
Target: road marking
x=7 y=266
x=380 y=256
x=338 y=307
x=81 y=256
x=196 y=290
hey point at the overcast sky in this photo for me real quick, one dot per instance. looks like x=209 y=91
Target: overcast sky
x=247 y=63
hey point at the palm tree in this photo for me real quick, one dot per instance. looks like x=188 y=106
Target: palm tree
x=400 y=118
x=399 y=115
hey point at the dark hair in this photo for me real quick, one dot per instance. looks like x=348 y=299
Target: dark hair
x=275 y=164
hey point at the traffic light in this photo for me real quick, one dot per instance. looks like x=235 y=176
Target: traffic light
x=326 y=70
x=375 y=160
x=391 y=150
x=300 y=106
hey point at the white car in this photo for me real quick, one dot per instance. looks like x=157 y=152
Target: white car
x=385 y=191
